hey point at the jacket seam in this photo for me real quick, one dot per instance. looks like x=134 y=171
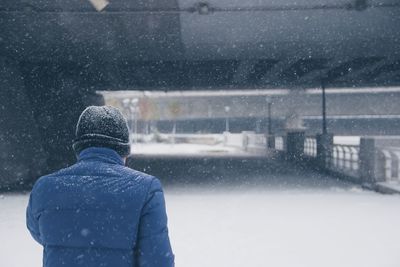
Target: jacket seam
x=83 y=209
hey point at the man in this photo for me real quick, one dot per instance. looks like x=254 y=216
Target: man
x=99 y=212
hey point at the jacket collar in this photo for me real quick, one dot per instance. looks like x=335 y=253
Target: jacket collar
x=102 y=154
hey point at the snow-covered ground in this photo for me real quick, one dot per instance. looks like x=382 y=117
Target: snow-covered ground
x=182 y=149
x=288 y=220
x=282 y=218
x=217 y=149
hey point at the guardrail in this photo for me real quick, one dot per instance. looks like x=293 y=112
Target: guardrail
x=345 y=159
x=390 y=163
x=310 y=147
x=382 y=163
x=279 y=143
x=378 y=162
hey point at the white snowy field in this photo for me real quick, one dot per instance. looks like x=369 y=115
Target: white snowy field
x=333 y=224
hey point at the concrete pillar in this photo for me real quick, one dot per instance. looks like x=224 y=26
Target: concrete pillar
x=39 y=110
x=295 y=144
x=324 y=150
x=369 y=161
x=271 y=142
x=22 y=156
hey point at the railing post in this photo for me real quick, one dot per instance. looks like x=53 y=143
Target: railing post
x=369 y=161
x=324 y=150
x=295 y=144
x=271 y=141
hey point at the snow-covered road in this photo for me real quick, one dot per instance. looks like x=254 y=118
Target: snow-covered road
x=291 y=222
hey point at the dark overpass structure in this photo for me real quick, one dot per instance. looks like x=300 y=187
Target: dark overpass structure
x=55 y=55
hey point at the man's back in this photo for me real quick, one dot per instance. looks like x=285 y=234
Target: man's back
x=100 y=213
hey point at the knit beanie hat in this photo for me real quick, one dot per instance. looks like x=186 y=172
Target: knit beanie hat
x=102 y=126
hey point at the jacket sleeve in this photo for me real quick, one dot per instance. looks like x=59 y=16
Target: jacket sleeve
x=153 y=248
x=32 y=221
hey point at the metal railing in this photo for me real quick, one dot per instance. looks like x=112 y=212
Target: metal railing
x=279 y=143
x=345 y=159
x=379 y=162
x=390 y=163
x=310 y=147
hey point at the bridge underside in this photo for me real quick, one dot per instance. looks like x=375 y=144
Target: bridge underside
x=55 y=55
x=186 y=44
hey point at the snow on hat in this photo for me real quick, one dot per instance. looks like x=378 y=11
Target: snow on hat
x=102 y=126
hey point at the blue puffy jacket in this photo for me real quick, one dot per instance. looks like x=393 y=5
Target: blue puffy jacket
x=100 y=213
